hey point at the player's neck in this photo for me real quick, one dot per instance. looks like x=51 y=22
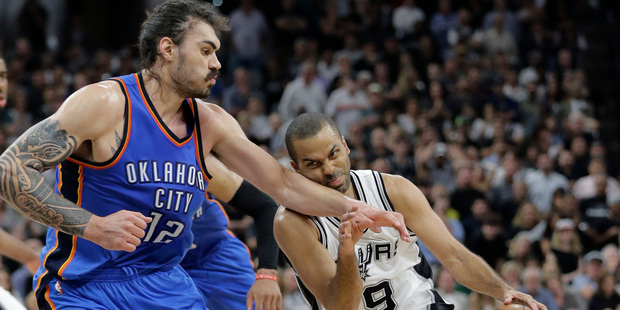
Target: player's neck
x=351 y=192
x=165 y=99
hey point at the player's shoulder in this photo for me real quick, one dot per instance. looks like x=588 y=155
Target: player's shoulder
x=396 y=185
x=105 y=95
x=287 y=218
x=288 y=223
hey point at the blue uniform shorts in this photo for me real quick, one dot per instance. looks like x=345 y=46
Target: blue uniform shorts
x=123 y=289
x=225 y=278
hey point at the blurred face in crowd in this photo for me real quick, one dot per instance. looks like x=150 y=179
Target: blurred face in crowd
x=579 y=146
x=596 y=166
x=544 y=163
x=600 y=184
x=445 y=281
x=194 y=64
x=4 y=83
x=464 y=178
x=531 y=280
x=565 y=159
x=324 y=158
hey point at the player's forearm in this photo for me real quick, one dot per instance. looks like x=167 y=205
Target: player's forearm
x=344 y=291
x=308 y=197
x=473 y=272
x=16 y=249
x=262 y=208
x=22 y=184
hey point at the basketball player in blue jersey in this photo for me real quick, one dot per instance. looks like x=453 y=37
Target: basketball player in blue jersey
x=130 y=173
x=379 y=272
x=218 y=262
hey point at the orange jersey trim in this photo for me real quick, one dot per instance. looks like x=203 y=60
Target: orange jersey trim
x=66 y=263
x=47 y=297
x=59 y=186
x=160 y=125
x=126 y=140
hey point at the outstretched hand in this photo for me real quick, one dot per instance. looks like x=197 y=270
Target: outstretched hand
x=365 y=216
x=515 y=296
x=120 y=231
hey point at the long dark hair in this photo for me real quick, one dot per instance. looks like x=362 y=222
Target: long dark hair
x=172 y=19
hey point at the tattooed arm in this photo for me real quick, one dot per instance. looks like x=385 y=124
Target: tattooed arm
x=50 y=142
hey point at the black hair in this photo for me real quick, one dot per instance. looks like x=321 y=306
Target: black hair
x=172 y=19
x=306 y=126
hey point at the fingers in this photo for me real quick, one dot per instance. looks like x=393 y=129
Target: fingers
x=249 y=301
x=402 y=228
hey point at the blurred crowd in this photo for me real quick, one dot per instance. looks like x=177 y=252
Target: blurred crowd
x=484 y=105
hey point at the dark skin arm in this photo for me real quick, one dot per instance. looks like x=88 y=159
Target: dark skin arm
x=335 y=285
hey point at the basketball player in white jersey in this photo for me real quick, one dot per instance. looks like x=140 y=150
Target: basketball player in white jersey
x=351 y=269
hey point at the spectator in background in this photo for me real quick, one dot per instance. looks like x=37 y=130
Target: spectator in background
x=498 y=39
x=236 y=96
x=529 y=222
x=509 y=21
x=249 y=30
x=586 y=283
x=346 y=104
x=464 y=195
x=532 y=284
x=543 y=182
x=406 y=19
x=446 y=288
x=606 y=296
x=302 y=95
x=33 y=20
x=441 y=22
x=490 y=241
x=291 y=296
x=566 y=248
x=563 y=294
x=585 y=187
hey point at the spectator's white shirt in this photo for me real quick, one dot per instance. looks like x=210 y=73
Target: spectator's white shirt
x=407 y=123
x=495 y=41
x=405 y=18
x=481 y=129
x=541 y=187
x=327 y=72
x=460 y=300
x=584 y=187
x=346 y=108
x=260 y=127
x=7 y=301
x=247 y=32
x=298 y=96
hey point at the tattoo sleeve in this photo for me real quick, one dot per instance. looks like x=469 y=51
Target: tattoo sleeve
x=22 y=185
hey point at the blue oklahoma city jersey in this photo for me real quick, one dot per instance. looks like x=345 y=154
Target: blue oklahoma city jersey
x=153 y=172
x=210 y=228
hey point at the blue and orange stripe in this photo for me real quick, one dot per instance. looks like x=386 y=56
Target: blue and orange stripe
x=161 y=126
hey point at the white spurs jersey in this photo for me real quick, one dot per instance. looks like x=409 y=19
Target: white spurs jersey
x=395 y=274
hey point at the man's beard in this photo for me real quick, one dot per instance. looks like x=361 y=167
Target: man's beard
x=185 y=89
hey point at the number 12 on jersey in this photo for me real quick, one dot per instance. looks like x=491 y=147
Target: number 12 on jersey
x=164 y=235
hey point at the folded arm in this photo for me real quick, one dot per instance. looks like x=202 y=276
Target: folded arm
x=335 y=285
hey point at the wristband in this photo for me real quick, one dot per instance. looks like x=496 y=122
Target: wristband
x=266 y=276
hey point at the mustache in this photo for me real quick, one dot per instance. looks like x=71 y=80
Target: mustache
x=213 y=74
